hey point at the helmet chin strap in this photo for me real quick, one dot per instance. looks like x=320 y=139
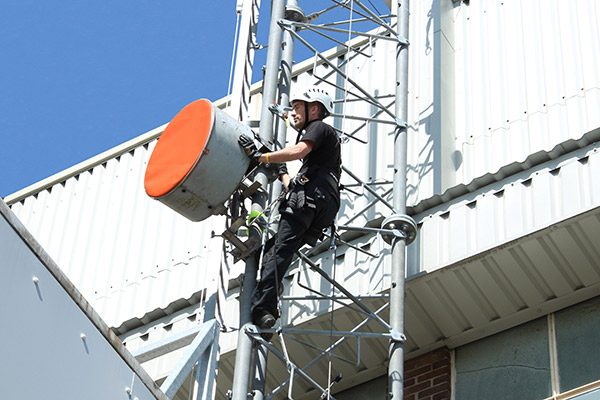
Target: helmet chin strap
x=306 y=115
x=306 y=121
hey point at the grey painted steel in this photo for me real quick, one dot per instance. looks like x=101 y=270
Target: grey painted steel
x=58 y=346
x=338 y=343
x=206 y=368
x=396 y=351
x=217 y=173
x=285 y=81
x=244 y=60
x=368 y=188
x=342 y=289
x=269 y=93
x=166 y=345
x=324 y=297
x=339 y=71
x=260 y=373
x=201 y=343
x=206 y=379
x=302 y=331
x=243 y=356
x=292 y=367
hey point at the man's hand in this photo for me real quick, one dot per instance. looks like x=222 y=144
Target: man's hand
x=249 y=148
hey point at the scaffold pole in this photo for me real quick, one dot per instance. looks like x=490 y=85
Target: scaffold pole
x=396 y=349
x=243 y=357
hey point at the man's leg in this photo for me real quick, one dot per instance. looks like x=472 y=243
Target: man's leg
x=276 y=262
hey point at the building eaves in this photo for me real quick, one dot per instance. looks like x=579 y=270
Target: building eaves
x=513 y=168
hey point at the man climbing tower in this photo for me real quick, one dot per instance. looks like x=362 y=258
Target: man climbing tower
x=313 y=197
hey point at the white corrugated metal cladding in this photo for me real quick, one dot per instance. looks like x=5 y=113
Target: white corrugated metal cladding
x=491 y=84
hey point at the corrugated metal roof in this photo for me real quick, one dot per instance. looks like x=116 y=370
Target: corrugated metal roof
x=527 y=78
x=127 y=253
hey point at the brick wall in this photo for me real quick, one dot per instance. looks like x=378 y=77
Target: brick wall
x=428 y=377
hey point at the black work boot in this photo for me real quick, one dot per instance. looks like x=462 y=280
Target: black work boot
x=265 y=321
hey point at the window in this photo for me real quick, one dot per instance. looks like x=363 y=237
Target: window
x=514 y=364
x=517 y=363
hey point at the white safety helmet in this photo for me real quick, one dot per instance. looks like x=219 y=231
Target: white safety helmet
x=312 y=95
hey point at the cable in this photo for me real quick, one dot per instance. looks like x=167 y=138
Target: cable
x=330 y=354
x=349 y=51
x=235 y=44
x=373 y=5
x=333 y=245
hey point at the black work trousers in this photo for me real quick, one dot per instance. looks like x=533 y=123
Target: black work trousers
x=295 y=228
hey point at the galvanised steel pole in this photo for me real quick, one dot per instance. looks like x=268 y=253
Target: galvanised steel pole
x=243 y=357
x=396 y=366
x=285 y=80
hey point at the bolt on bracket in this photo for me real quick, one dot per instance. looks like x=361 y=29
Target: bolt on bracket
x=399 y=227
x=397 y=336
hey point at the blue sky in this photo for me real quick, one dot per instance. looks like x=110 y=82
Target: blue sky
x=80 y=77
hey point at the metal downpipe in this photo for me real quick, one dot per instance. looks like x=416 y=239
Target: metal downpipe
x=243 y=356
x=396 y=349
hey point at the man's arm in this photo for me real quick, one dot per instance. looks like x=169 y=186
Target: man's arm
x=285 y=179
x=296 y=152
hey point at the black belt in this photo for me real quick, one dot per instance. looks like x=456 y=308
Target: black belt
x=318 y=173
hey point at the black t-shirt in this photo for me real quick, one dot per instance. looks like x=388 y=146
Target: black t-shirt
x=326 y=154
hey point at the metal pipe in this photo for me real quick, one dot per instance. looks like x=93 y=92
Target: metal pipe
x=343 y=44
x=374 y=17
x=336 y=69
x=354 y=20
x=243 y=356
x=310 y=298
x=342 y=289
x=373 y=192
x=302 y=331
x=291 y=366
x=371 y=204
x=338 y=343
x=284 y=82
x=357 y=33
x=269 y=93
x=260 y=375
x=368 y=119
x=396 y=349
x=366 y=229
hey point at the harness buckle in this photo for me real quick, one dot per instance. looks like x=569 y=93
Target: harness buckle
x=303 y=179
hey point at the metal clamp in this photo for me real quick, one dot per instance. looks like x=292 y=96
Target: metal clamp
x=279 y=110
x=403 y=223
x=401 y=123
x=397 y=336
x=248 y=188
x=242 y=249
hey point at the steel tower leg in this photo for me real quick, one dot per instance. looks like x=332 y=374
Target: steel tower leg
x=396 y=366
x=243 y=356
x=287 y=60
